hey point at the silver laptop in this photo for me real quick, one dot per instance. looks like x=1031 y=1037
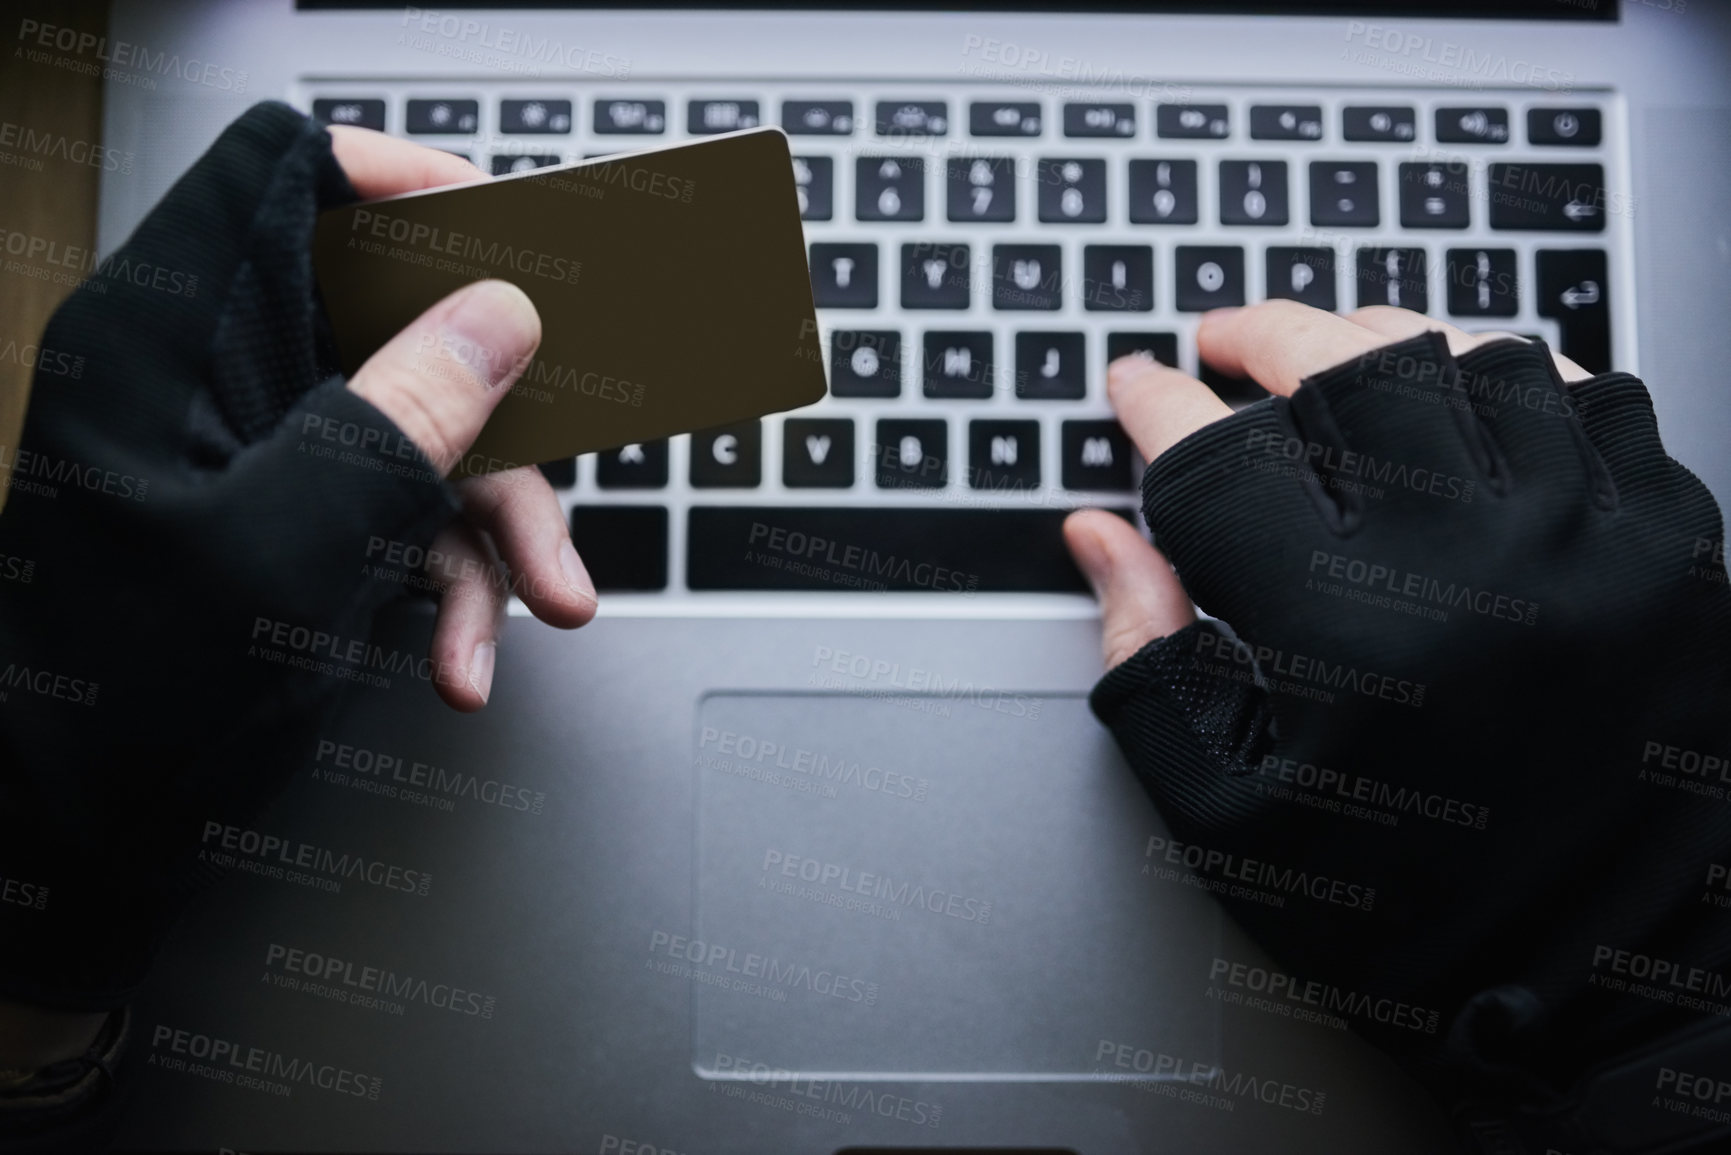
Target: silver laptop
x=809 y=844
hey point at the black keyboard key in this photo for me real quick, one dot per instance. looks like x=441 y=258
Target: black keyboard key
x=1482 y=282
x=1027 y=277
x=916 y=549
x=630 y=117
x=546 y=117
x=817 y=453
x=1096 y=455
x=1004 y=455
x=814 y=184
x=1208 y=276
x=889 y=188
x=506 y=163
x=1579 y=127
x=1253 y=192
x=1550 y=197
x=1235 y=391
x=844 y=276
x=981 y=188
x=904 y=118
x=624 y=547
x=865 y=363
x=1004 y=118
x=1435 y=196
x=704 y=117
x=1379 y=122
x=1286 y=122
x=1163 y=192
x=912 y=454
x=1574 y=289
x=1051 y=367
x=1482 y=124
x=1305 y=275
x=1110 y=120
x=640 y=465
x=561 y=474
x=1393 y=277
x=358 y=112
x=1163 y=347
x=1071 y=191
x=1191 y=121
x=442 y=116
x=957 y=365
x=1344 y=193
x=728 y=457
x=935 y=276
x=1117 y=278
x=817 y=117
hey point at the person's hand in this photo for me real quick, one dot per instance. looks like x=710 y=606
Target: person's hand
x=1277 y=344
x=512 y=536
x=1451 y=743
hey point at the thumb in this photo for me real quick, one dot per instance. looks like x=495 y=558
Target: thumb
x=1140 y=597
x=440 y=378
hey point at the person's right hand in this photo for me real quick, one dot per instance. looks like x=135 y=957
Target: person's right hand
x=439 y=380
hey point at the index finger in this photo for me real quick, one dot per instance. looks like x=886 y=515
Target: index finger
x=381 y=166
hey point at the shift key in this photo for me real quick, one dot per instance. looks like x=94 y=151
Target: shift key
x=1566 y=198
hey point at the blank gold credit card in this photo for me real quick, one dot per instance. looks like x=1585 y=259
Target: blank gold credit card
x=672 y=287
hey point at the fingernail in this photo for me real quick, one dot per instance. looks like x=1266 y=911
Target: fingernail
x=1135 y=361
x=576 y=576
x=493 y=329
x=1092 y=558
x=481 y=668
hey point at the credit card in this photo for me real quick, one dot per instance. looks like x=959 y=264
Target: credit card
x=672 y=288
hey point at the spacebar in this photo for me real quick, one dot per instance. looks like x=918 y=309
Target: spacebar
x=959 y=551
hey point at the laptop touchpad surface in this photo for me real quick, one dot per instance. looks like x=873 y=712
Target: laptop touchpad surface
x=931 y=886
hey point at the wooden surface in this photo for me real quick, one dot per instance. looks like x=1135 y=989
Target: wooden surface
x=42 y=193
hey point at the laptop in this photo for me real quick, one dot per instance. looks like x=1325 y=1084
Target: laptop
x=809 y=844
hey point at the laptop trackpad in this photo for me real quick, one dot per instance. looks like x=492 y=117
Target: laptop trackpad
x=932 y=886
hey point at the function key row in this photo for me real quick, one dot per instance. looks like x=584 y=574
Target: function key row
x=1343 y=193
x=1003 y=457
x=1023 y=119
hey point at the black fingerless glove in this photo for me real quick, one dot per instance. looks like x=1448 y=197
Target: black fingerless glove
x=1465 y=769
x=170 y=548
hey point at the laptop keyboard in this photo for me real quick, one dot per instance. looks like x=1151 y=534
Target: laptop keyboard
x=979 y=254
